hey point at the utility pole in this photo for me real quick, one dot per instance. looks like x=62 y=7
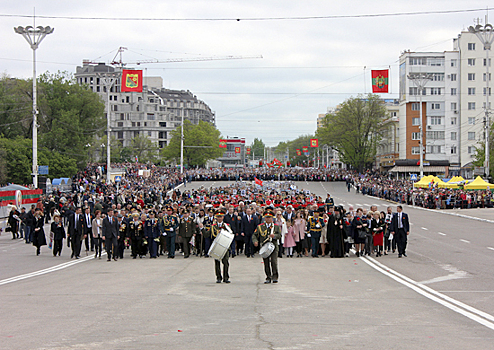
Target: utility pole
x=486 y=36
x=34 y=35
x=420 y=80
x=182 y=145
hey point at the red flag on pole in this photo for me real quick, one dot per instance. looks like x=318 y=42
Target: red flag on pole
x=257 y=181
x=298 y=152
x=222 y=143
x=314 y=142
x=380 y=81
x=131 y=80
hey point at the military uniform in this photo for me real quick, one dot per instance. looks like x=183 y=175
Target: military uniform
x=314 y=226
x=169 y=228
x=215 y=230
x=206 y=234
x=123 y=233
x=261 y=236
x=151 y=232
x=135 y=228
x=187 y=229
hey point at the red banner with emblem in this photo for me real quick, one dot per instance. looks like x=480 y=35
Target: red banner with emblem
x=131 y=80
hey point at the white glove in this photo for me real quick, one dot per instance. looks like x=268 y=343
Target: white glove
x=308 y=235
x=171 y=229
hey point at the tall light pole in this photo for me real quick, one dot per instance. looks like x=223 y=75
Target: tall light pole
x=34 y=35
x=420 y=80
x=108 y=80
x=182 y=145
x=486 y=37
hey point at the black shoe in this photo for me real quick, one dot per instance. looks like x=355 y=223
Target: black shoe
x=357 y=254
x=267 y=281
x=226 y=281
x=108 y=259
x=275 y=281
x=72 y=255
x=399 y=255
x=186 y=257
x=404 y=255
x=218 y=281
x=77 y=257
x=134 y=257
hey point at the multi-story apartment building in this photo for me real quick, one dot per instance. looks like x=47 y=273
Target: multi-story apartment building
x=472 y=91
x=388 y=147
x=154 y=113
x=440 y=108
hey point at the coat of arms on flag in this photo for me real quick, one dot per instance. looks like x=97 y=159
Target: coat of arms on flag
x=298 y=152
x=222 y=144
x=237 y=149
x=380 y=81
x=131 y=80
x=314 y=142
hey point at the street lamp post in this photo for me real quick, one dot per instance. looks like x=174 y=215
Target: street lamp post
x=34 y=36
x=420 y=80
x=182 y=145
x=486 y=37
x=108 y=80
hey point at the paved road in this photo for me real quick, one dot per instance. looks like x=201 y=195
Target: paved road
x=318 y=304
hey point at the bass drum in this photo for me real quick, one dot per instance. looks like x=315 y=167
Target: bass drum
x=221 y=244
x=266 y=250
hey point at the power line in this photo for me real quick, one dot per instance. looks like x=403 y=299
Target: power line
x=238 y=19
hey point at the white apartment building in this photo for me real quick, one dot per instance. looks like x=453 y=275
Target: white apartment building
x=472 y=74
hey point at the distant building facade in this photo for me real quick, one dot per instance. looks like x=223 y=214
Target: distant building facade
x=154 y=113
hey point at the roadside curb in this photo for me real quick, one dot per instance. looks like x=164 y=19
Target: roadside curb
x=435 y=210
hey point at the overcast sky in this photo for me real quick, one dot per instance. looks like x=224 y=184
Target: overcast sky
x=307 y=66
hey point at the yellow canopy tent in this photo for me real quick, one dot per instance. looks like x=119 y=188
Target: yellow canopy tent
x=479 y=184
x=426 y=180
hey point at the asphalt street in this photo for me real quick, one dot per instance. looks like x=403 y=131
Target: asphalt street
x=440 y=297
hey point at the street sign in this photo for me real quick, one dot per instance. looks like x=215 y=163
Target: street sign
x=118 y=178
x=413 y=177
x=43 y=170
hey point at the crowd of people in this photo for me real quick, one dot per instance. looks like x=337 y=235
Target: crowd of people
x=149 y=216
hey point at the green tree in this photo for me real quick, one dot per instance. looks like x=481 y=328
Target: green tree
x=145 y=149
x=16 y=107
x=3 y=166
x=203 y=134
x=257 y=148
x=19 y=160
x=480 y=156
x=353 y=130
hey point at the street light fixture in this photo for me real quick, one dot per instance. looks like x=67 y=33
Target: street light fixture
x=34 y=36
x=486 y=37
x=420 y=80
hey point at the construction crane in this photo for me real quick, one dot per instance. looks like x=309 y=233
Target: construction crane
x=121 y=49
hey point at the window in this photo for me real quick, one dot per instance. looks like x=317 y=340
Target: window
x=485 y=60
x=122 y=116
x=415 y=91
x=150 y=116
x=485 y=89
x=471 y=149
x=149 y=133
x=471 y=106
x=453 y=77
x=435 y=61
x=433 y=149
x=139 y=124
x=133 y=124
x=162 y=135
x=115 y=108
x=136 y=133
x=145 y=124
x=435 y=135
x=162 y=124
x=453 y=91
x=127 y=99
x=453 y=63
x=438 y=77
x=454 y=106
x=120 y=135
x=435 y=91
x=415 y=121
x=453 y=149
x=435 y=106
x=120 y=124
x=417 y=61
x=471 y=62
x=489 y=105
x=471 y=46
x=453 y=121
x=471 y=76
x=416 y=150
x=162 y=144
x=471 y=135
x=485 y=74
x=436 y=121
x=471 y=91
x=453 y=136
x=415 y=106
x=415 y=136
x=471 y=120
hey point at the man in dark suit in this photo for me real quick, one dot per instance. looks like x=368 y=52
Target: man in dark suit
x=248 y=226
x=110 y=234
x=88 y=219
x=400 y=228
x=289 y=214
x=76 y=232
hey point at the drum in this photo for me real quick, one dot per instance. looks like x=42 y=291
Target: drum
x=221 y=244
x=266 y=250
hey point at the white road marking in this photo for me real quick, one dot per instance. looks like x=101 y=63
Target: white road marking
x=457 y=306
x=464 y=241
x=455 y=274
x=442 y=234
x=411 y=223
x=490 y=248
x=47 y=270
x=425 y=228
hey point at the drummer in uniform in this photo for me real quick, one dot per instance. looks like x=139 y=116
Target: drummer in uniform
x=268 y=232
x=214 y=230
